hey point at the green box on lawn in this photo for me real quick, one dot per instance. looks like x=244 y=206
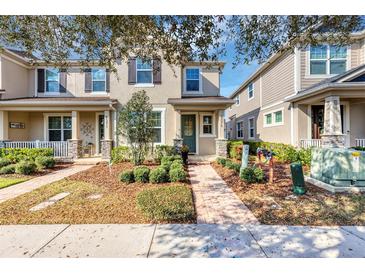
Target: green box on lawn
x=338 y=166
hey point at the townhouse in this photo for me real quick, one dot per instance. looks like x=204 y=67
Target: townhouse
x=75 y=110
x=311 y=96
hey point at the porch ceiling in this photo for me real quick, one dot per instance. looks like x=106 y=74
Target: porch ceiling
x=203 y=103
x=58 y=103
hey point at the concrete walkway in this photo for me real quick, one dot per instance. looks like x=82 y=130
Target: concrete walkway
x=19 y=189
x=215 y=202
x=180 y=240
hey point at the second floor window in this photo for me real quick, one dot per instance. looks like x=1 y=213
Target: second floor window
x=144 y=71
x=52 y=80
x=192 y=79
x=237 y=100
x=250 y=91
x=326 y=59
x=98 y=79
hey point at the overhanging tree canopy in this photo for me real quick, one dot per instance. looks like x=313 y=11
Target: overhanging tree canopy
x=178 y=39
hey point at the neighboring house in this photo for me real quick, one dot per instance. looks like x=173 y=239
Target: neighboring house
x=75 y=111
x=311 y=96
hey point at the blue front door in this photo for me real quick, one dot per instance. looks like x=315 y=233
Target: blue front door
x=188 y=129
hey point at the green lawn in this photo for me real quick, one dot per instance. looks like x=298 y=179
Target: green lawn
x=8 y=181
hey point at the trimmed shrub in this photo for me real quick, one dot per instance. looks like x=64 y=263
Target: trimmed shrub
x=177 y=174
x=4 y=162
x=43 y=162
x=126 y=176
x=167 y=203
x=158 y=175
x=305 y=156
x=234 y=166
x=176 y=164
x=9 y=169
x=25 y=167
x=221 y=161
x=162 y=151
x=141 y=174
x=24 y=154
x=252 y=175
x=121 y=154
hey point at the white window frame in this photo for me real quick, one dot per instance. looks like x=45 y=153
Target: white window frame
x=202 y=134
x=237 y=100
x=328 y=62
x=144 y=85
x=163 y=122
x=45 y=82
x=200 y=91
x=239 y=122
x=253 y=127
x=273 y=118
x=248 y=91
x=45 y=124
x=92 y=80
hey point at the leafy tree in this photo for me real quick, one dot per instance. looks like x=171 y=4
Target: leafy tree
x=136 y=126
x=109 y=39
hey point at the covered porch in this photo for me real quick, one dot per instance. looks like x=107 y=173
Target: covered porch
x=72 y=127
x=200 y=124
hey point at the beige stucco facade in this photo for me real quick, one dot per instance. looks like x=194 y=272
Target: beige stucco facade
x=18 y=80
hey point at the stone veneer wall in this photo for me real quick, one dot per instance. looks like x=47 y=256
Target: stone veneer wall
x=221 y=147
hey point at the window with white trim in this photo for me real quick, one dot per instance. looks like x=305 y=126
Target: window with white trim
x=274 y=118
x=157 y=126
x=239 y=129
x=52 y=80
x=327 y=59
x=237 y=100
x=192 y=81
x=207 y=124
x=98 y=79
x=59 y=128
x=144 y=71
x=251 y=128
x=250 y=91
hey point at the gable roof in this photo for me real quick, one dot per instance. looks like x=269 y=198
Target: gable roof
x=340 y=81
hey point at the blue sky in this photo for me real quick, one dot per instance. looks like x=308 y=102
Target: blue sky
x=232 y=78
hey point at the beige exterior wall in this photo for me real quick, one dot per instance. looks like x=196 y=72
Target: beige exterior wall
x=357 y=125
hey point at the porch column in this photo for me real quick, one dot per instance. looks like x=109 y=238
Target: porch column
x=107 y=143
x=220 y=142
x=4 y=125
x=178 y=141
x=332 y=134
x=75 y=144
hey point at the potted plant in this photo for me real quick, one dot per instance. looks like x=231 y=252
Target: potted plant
x=184 y=153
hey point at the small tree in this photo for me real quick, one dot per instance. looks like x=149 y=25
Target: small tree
x=135 y=124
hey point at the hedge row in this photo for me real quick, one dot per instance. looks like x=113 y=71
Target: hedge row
x=283 y=153
x=16 y=155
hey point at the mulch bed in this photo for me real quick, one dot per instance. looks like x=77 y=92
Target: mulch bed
x=275 y=204
x=117 y=204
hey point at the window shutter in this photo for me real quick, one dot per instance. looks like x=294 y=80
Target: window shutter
x=107 y=80
x=88 y=83
x=40 y=73
x=132 y=71
x=156 y=71
x=63 y=80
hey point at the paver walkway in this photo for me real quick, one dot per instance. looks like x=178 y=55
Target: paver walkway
x=215 y=202
x=19 y=189
x=181 y=240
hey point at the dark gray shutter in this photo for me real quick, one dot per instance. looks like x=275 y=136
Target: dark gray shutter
x=88 y=82
x=107 y=84
x=132 y=71
x=63 y=80
x=156 y=71
x=40 y=73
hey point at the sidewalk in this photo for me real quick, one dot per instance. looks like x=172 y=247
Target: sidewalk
x=180 y=240
x=19 y=189
x=215 y=202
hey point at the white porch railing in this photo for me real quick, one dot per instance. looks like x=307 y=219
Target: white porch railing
x=60 y=148
x=360 y=142
x=308 y=143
